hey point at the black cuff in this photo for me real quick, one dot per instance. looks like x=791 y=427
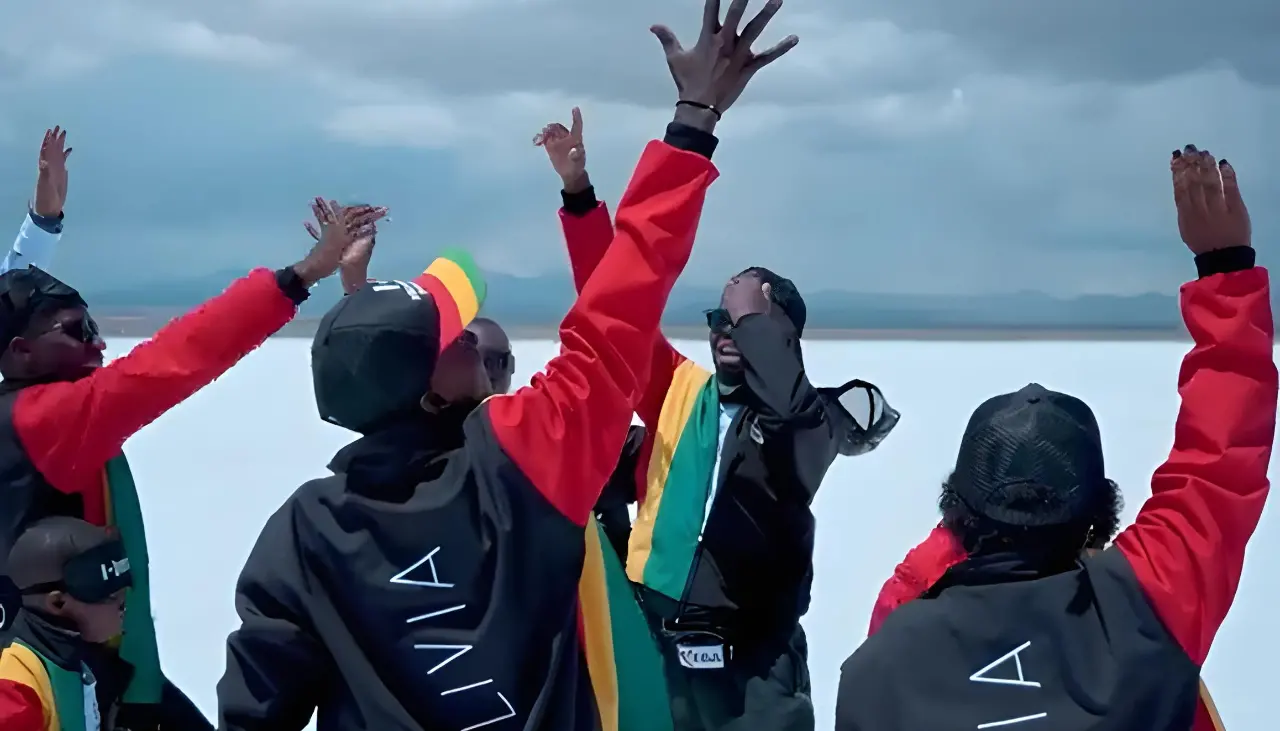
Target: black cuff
x=48 y=224
x=1231 y=259
x=691 y=139
x=580 y=203
x=292 y=285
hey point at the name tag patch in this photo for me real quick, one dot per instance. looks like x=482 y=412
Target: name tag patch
x=701 y=657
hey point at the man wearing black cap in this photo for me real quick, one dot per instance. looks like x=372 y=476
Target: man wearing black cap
x=1028 y=628
x=434 y=580
x=65 y=415
x=57 y=672
x=722 y=547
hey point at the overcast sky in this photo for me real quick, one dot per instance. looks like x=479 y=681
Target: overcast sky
x=904 y=145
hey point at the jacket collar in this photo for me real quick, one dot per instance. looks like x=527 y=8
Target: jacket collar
x=61 y=646
x=997 y=568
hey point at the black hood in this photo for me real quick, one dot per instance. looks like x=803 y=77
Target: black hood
x=388 y=463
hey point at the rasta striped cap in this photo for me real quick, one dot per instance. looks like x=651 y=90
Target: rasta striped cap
x=375 y=351
x=456 y=286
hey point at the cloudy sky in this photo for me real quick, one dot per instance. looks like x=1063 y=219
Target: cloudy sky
x=905 y=145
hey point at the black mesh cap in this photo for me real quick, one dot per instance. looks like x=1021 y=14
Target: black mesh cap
x=374 y=353
x=1031 y=438
x=28 y=293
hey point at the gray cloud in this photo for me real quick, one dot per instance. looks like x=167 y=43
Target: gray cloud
x=904 y=146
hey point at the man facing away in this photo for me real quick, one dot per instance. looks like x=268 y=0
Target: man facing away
x=64 y=415
x=433 y=581
x=722 y=546
x=1019 y=629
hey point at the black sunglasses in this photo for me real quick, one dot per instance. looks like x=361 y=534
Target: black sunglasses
x=719 y=321
x=82 y=329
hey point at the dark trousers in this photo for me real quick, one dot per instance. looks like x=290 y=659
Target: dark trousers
x=763 y=687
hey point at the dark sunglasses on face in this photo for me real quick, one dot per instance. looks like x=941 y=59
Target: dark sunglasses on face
x=718 y=321
x=82 y=329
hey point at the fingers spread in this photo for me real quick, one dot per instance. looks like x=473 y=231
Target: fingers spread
x=756 y=26
x=760 y=60
x=710 y=18
x=737 y=8
x=667 y=38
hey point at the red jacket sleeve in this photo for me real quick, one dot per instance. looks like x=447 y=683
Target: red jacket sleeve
x=565 y=431
x=1187 y=544
x=588 y=237
x=69 y=430
x=921 y=569
x=20 y=708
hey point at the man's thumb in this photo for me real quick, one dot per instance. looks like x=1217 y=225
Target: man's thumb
x=667 y=38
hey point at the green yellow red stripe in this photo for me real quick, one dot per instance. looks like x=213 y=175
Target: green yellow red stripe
x=455 y=283
x=687 y=385
x=597 y=628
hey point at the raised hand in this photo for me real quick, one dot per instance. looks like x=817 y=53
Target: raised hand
x=567 y=152
x=1211 y=213
x=51 y=178
x=711 y=75
x=339 y=228
x=353 y=269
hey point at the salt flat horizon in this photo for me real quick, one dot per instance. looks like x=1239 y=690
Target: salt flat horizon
x=213 y=470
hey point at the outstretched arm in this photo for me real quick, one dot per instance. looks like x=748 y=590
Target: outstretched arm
x=803 y=431
x=588 y=232
x=1187 y=544
x=42 y=228
x=70 y=429
x=276 y=670
x=36 y=243
x=589 y=391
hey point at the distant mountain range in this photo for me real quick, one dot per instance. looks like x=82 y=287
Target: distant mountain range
x=521 y=301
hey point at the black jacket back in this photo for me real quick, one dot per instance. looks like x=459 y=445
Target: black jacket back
x=402 y=594
x=997 y=645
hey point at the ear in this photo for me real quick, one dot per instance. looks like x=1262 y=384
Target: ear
x=511 y=364
x=19 y=346
x=55 y=603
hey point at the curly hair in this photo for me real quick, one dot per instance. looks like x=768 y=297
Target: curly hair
x=977 y=532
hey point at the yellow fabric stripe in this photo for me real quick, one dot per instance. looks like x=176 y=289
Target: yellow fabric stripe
x=686 y=383
x=20 y=665
x=1211 y=707
x=597 y=630
x=459 y=285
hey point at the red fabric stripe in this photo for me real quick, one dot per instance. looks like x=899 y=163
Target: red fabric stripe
x=450 y=318
x=20 y=707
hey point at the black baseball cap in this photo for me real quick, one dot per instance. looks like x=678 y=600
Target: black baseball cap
x=374 y=353
x=28 y=293
x=1033 y=437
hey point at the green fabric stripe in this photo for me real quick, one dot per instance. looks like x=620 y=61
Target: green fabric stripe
x=138 y=646
x=68 y=692
x=642 y=685
x=684 y=497
x=468 y=267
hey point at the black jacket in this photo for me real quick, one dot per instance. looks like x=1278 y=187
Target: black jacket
x=432 y=582
x=384 y=596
